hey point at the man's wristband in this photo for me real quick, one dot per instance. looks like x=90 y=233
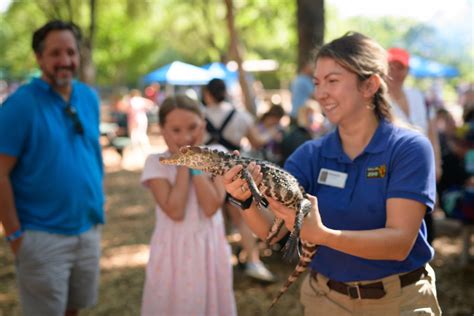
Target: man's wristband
x=242 y=204
x=14 y=236
x=195 y=172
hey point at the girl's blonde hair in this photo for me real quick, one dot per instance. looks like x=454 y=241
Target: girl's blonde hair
x=180 y=101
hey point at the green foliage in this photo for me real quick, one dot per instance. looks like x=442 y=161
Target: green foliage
x=134 y=37
x=418 y=38
x=122 y=45
x=16 y=55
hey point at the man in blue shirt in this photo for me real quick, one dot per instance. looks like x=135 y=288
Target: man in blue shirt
x=302 y=88
x=51 y=172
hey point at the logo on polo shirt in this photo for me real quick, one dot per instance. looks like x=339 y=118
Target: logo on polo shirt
x=376 y=172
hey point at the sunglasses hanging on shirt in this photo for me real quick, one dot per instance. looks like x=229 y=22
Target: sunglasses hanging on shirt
x=72 y=113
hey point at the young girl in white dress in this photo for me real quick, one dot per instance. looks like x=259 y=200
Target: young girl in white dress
x=189 y=271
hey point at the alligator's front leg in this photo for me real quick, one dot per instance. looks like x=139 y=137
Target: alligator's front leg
x=258 y=197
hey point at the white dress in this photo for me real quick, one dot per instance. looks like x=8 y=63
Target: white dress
x=189 y=270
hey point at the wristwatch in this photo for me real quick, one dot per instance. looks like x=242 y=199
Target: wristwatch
x=242 y=204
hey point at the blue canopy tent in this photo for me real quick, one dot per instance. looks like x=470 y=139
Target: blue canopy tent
x=219 y=70
x=179 y=74
x=425 y=68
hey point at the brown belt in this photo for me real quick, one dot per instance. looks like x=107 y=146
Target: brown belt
x=371 y=290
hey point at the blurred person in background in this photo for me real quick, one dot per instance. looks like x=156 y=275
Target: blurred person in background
x=302 y=88
x=456 y=186
x=466 y=100
x=153 y=93
x=51 y=174
x=118 y=113
x=228 y=126
x=270 y=128
x=409 y=106
x=310 y=124
x=138 y=121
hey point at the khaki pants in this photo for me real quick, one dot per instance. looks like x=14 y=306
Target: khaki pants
x=415 y=299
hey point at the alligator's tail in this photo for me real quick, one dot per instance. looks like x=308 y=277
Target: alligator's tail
x=308 y=252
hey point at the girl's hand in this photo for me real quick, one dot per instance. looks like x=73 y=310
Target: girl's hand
x=313 y=228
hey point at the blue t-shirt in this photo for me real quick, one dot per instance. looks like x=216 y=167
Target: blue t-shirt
x=397 y=163
x=57 y=180
x=301 y=90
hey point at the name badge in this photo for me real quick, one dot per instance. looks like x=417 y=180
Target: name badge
x=332 y=178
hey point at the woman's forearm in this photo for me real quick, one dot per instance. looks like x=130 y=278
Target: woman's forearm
x=378 y=244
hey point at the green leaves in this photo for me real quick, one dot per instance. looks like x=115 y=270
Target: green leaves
x=134 y=37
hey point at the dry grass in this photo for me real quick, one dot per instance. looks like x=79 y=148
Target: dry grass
x=125 y=237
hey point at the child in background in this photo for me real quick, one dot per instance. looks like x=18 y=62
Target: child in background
x=271 y=130
x=310 y=123
x=138 y=121
x=189 y=271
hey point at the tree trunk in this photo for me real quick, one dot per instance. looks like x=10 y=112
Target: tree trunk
x=87 y=71
x=310 y=14
x=235 y=52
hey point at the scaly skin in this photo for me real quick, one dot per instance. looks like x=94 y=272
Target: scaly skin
x=276 y=183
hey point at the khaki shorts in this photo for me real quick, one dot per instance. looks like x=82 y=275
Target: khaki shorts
x=418 y=298
x=56 y=273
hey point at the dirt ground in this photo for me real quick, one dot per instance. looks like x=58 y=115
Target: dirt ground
x=126 y=235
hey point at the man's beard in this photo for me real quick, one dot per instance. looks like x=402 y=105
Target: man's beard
x=60 y=82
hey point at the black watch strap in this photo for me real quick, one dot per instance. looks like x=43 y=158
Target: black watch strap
x=242 y=204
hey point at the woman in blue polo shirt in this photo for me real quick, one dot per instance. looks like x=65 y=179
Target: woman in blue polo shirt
x=373 y=181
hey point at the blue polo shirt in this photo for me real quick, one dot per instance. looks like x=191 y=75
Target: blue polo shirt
x=397 y=163
x=57 y=180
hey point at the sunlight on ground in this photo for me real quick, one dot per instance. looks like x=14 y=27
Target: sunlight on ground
x=447 y=246
x=135 y=210
x=130 y=161
x=130 y=256
x=446 y=229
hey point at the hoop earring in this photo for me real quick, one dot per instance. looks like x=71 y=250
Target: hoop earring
x=371 y=106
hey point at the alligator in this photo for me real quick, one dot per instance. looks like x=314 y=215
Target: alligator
x=276 y=183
